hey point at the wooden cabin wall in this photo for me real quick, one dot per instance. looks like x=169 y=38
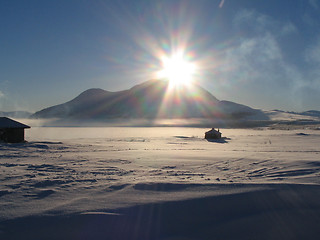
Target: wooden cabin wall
x=12 y=135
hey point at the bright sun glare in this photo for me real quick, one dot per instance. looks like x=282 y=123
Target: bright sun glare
x=177 y=69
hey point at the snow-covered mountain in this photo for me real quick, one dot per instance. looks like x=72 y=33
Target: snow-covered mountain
x=151 y=99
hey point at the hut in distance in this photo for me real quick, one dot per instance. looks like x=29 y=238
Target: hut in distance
x=213 y=134
x=11 y=131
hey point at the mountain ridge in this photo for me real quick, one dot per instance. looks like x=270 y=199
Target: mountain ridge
x=150 y=99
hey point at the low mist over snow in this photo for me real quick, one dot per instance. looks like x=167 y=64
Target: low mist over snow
x=16 y=114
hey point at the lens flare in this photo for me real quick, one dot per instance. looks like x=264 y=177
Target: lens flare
x=177 y=69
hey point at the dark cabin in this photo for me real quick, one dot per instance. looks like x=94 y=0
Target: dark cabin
x=213 y=134
x=11 y=131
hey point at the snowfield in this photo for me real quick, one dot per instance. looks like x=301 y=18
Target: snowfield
x=160 y=183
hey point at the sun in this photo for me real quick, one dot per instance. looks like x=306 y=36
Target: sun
x=177 y=69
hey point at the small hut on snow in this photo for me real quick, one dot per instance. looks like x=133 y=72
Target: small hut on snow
x=213 y=134
x=11 y=131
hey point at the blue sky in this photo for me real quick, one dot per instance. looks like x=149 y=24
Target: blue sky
x=265 y=54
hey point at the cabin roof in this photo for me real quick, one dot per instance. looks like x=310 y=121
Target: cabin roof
x=214 y=131
x=9 y=123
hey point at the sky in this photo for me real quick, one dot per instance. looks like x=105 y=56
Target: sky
x=264 y=54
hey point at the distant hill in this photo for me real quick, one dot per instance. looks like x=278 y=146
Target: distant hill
x=151 y=99
x=312 y=113
x=16 y=114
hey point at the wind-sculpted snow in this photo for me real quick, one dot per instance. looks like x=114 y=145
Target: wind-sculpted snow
x=113 y=174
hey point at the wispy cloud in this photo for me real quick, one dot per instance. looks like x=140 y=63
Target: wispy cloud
x=252 y=20
x=314 y=4
x=2 y=100
x=256 y=66
x=257 y=23
x=310 y=89
x=312 y=53
x=289 y=28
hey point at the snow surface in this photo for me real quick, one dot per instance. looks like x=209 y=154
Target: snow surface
x=160 y=183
